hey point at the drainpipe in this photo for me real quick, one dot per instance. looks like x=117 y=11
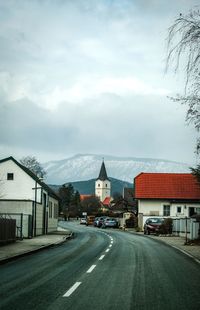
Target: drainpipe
x=35 y=211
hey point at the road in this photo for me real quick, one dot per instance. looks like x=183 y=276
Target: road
x=102 y=269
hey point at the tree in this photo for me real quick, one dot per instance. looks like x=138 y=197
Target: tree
x=184 y=48
x=196 y=172
x=91 y=205
x=31 y=163
x=76 y=204
x=70 y=200
x=65 y=193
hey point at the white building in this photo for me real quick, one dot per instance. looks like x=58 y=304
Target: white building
x=26 y=198
x=175 y=195
x=103 y=184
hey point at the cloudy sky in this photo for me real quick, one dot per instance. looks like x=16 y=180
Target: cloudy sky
x=88 y=76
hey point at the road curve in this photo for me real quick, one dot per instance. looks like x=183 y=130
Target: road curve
x=102 y=269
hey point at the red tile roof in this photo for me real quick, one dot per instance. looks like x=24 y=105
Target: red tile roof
x=106 y=201
x=166 y=185
x=83 y=197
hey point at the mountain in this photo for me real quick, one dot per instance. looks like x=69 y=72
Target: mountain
x=88 y=187
x=87 y=166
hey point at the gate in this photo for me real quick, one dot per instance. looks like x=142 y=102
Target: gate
x=7 y=230
x=23 y=224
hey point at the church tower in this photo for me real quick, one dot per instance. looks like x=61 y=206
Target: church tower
x=102 y=184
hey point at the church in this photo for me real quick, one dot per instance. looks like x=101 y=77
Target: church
x=103 y=186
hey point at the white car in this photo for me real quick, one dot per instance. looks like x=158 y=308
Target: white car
x=83 y=221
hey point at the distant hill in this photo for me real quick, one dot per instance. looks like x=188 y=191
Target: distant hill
x=88 y=187
x=87 y=167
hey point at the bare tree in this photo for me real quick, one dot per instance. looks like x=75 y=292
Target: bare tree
x=31 y=163
x=184 y=52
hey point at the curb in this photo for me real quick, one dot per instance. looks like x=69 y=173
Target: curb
x=40 y=248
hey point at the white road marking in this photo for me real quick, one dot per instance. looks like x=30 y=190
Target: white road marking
x=72 y=289
x=101 y=257
x=111 y=241
x=110 y=245
x=91 y=268
x=107 y=250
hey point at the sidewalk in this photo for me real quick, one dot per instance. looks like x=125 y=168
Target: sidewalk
x=178 y=243
x=28 y=246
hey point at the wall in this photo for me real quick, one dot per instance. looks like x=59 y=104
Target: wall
x=21 y=187
x=14 y=209
x=52 y=214
x=153 y=208
x=39 y=219
x=103 y=190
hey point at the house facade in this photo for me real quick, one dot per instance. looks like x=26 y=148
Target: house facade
x=27 y=198
x=175 y=195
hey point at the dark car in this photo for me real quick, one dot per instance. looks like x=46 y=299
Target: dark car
x=99 y=221
x=152 y=225
x=110 y=222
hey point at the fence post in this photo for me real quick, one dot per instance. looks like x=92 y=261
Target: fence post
x=21 y=224
x=186 y=239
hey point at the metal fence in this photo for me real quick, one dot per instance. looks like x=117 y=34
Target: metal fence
x=23 y=224
x=7 y=230
x=186 y=227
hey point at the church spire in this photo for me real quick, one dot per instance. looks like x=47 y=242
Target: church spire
x=103 y=174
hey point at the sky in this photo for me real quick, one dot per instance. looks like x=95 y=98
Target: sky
x=88 y=76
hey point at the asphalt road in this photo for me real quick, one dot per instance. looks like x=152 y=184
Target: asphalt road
x=102 y=269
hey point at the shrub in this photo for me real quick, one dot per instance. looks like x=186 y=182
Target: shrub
x=166 y=227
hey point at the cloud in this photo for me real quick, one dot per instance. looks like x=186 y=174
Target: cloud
x=87 y=76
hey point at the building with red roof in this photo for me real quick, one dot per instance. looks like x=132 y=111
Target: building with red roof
x=106 y=201
x=83 y=197
x=167 y=194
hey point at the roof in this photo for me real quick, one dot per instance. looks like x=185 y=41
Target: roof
x=83 y=197
x=167 y=186
x=33 y=176
x=106 y=201
x=103 y=174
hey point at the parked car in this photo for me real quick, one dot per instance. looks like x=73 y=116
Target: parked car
x=83 y=221
x=110 y=222
x=96 y=221
x=99 y=221
x=152 y=225
x=90 y=219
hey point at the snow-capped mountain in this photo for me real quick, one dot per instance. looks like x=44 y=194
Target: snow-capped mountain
x=87 y=166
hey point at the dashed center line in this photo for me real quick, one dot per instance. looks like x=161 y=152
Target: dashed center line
x=72 y=289
x=91 y=268
x=76 y=285
x=101 y=257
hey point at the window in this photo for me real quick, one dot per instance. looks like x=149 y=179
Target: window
x=98 y=185
x=106 y=185
x=179 y=209
x=166 y=210
x=10 y=176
